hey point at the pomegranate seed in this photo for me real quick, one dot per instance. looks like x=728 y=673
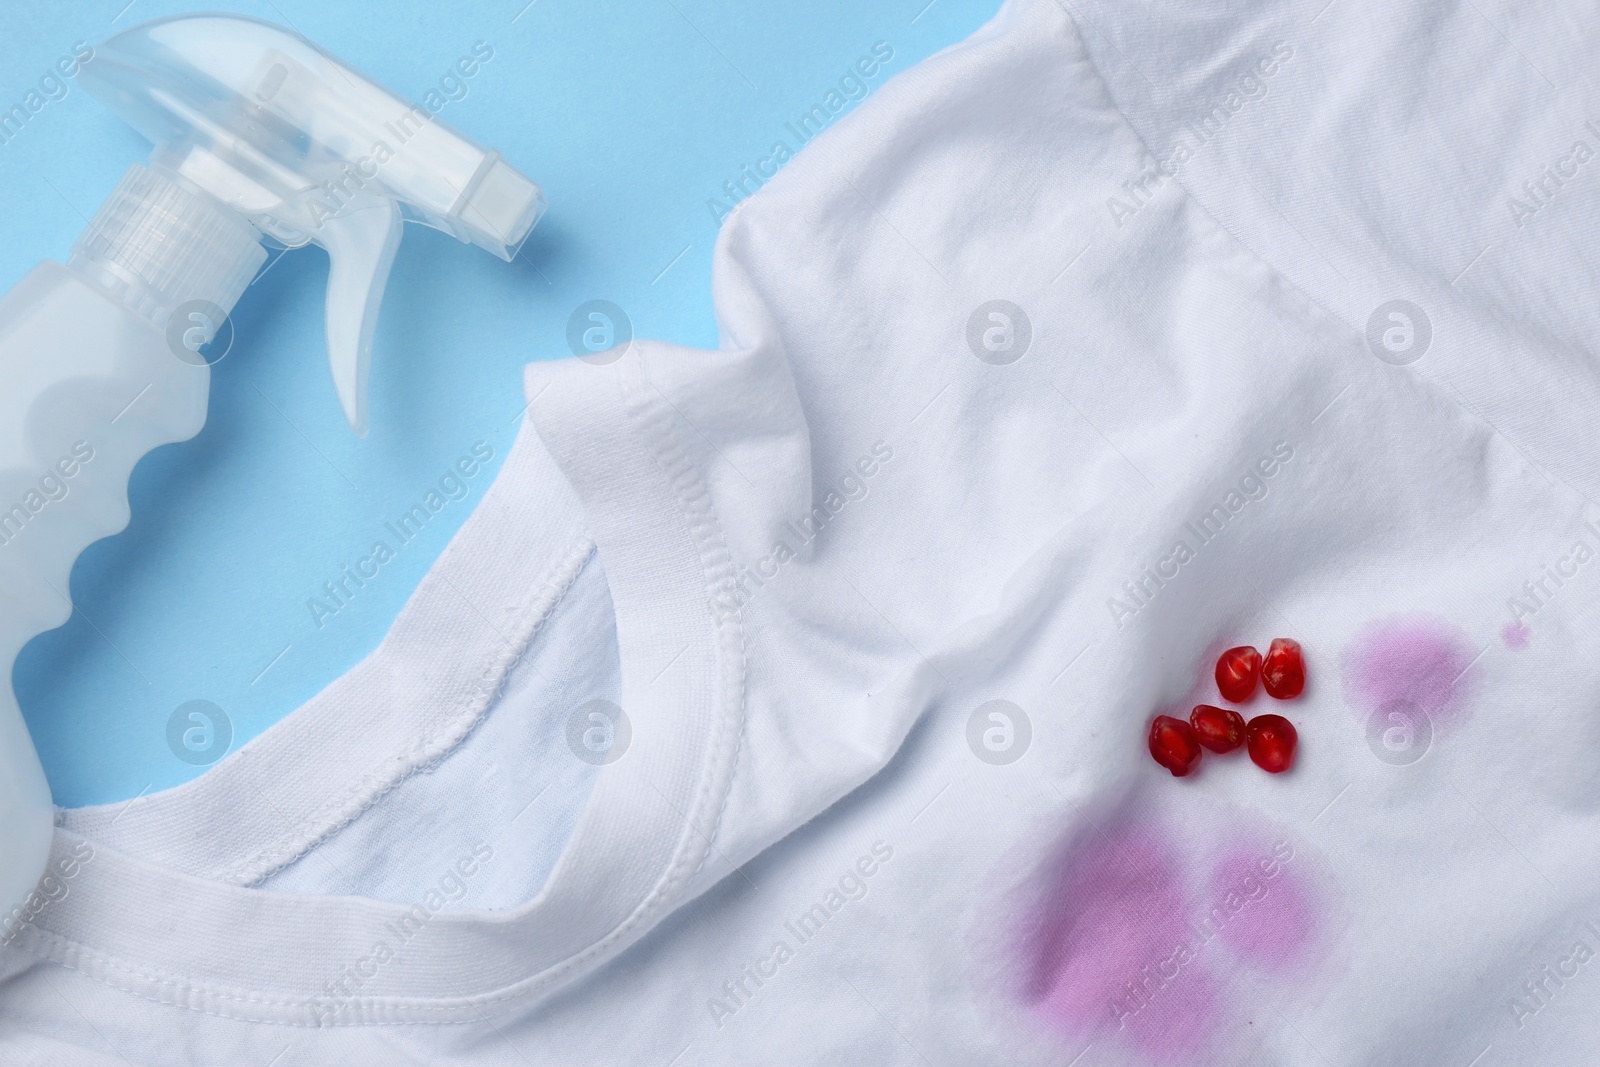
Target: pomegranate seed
x=1283 y=673
x=1237 y=671
x=1173 y=744
x=1219 y=729
x=1272 y=742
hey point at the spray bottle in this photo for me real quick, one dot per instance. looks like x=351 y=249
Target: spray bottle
x=259 y=136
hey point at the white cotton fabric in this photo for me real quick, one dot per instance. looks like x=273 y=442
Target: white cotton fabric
x=1449 y=157
x=805 y=563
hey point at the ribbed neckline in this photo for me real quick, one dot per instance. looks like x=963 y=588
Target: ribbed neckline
x=165 y=909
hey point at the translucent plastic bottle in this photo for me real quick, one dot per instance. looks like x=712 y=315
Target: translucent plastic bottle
x=258 y=136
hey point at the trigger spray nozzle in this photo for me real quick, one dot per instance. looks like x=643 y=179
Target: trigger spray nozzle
x=252 y=118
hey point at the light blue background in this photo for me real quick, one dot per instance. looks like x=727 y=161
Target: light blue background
x=630 y=114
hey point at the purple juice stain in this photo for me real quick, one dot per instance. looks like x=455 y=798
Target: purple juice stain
x=1262 y=906
x=1107 y=915
x=1136 y=929
x=1414 y=661
x=1516 y=634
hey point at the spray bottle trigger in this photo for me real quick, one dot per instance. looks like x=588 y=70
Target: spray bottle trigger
x=361 y=242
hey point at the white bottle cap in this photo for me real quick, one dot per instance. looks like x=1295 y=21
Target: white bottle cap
x=155 y=244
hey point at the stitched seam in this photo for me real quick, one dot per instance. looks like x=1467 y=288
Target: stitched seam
x=1447 y=388
x=1188 y=194
x=705 y=530
x=470 y=708
x=720 y=576
x=694 y=502
x=184 y=993
x=738 y=742
x=701 y=521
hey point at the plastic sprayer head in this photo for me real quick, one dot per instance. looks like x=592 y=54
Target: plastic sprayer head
x=263 y=122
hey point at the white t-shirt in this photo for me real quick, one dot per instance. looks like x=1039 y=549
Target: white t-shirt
x=887 y=590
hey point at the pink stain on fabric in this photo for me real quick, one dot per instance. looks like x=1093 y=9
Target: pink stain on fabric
x=1132 y=931
x=1416 y=660
x=1263 y=908
x=1105 y=917
x=1516 y=634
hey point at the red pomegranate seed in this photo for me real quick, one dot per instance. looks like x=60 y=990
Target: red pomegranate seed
x=1272 y=742
x=1173 y=744
x=1283 y=673
x=1219 y=729
x=1237 y=671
